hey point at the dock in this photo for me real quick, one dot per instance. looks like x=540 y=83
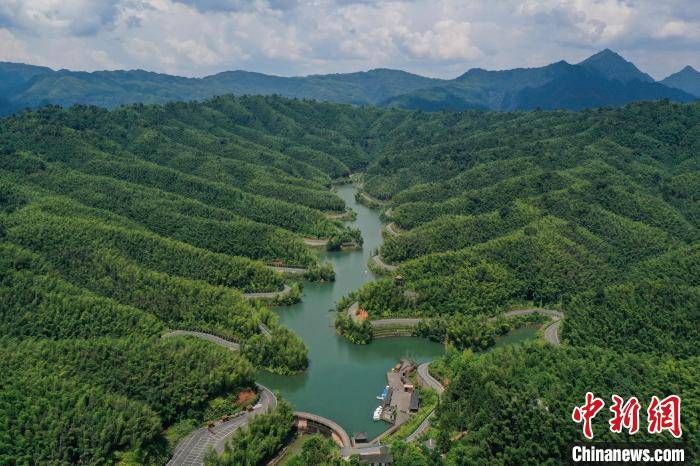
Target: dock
x=402 y=400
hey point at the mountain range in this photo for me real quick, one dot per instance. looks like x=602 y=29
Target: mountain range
x=604 y=79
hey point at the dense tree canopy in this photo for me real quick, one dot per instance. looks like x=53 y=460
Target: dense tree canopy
x=116 y=226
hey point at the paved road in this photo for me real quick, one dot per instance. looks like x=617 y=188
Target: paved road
x=288 y=270
x=421 y=428
x=391 y=229
x=315 y=242
x=408 y=321
x=431 y=382
x=383 y=265
x=551 y=332
x=371 y=199
x=269 y=295
x=191 y=450
x=337 y=216
x=205 y=336
x=534 y=310
x=352 y=311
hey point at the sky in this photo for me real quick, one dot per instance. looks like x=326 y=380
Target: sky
x=440 y=38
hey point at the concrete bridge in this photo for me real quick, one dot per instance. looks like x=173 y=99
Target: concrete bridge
x=313 y=423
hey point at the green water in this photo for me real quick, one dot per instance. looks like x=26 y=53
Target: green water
x=343 y=379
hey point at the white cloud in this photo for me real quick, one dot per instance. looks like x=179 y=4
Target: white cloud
x=75 y=17
x=11 y=48
x=592 y=21
x=679 y=29
x=433 y=37
x=448 y=40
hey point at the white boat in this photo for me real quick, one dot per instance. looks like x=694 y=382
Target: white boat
x=377 y=413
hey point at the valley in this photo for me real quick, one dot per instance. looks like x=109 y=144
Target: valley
x=190 y=219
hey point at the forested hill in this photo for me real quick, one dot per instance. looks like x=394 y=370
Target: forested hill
x=116 y=226
x=595 y=214
x=604 y=79
x=537 y=207
x=32 y=86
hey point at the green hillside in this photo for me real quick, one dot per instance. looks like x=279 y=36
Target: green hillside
x=592 y=213
x=117 y=226
x=604 y=79
x=554 y=204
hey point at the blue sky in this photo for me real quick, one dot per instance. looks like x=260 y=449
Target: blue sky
x=441 y=38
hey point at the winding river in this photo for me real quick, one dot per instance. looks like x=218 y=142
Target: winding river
x=343 y=379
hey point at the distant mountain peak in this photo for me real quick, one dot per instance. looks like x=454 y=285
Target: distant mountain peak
x=687 y=79
x=606 y=52
x=614 y=66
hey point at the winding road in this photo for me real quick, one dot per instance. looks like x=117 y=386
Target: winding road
x=192 y=449
x=431 y=382
x=394 y=322
x=551 y=332
x=391 y=229
x=316 y=243
x=371 y=200
x=204 y=336
x=342 y=436
x=338 y=215
x=288 y=270
x=421 y=428
x=383 y=265
x=269 y=295
x=398 y=322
